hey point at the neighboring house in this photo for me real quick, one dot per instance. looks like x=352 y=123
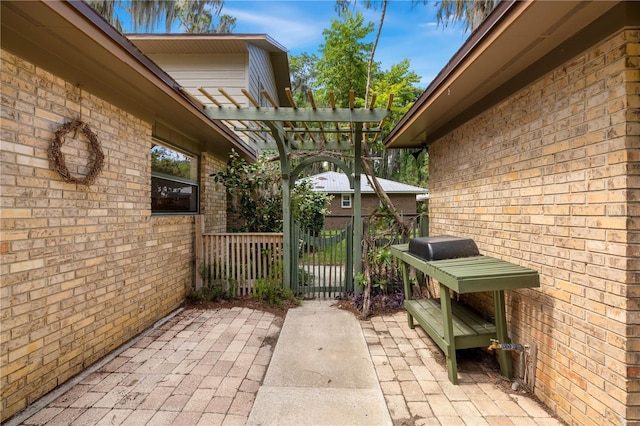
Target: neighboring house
x=85 y=268
x=231 y=62
x=403 y=197
x=534 y=148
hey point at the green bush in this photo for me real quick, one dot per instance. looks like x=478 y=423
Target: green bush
x=272 y=292
x=213 y=289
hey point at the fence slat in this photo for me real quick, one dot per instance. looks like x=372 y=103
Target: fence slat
x=242 y=259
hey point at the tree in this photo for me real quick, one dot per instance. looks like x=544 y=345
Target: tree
x=402 y=82
x=303 y=75
x=471 y=12
x=197 y=16
x=254 y=191
x=308 y=207
x=192 y=16
x=343 y=62
x=342 y=6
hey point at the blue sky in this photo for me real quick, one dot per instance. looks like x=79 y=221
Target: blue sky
x=408 y=32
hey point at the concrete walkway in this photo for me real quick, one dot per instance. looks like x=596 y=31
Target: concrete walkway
x=320 y=373
x=222 y=367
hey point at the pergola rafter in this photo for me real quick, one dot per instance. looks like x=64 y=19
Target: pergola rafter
x=316 y=132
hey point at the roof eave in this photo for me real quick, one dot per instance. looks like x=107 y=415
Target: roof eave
x=73 y=42
x=518 y=43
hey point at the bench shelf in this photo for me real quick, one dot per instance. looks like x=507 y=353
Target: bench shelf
x=469 y=330
x=451 y=325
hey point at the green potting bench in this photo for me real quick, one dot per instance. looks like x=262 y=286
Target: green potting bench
x=450 y=324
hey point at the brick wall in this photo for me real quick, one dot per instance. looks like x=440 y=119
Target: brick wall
x=549 y=179
x=213 y=203
x=84 y=269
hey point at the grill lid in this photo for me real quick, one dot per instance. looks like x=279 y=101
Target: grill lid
x=442 y=247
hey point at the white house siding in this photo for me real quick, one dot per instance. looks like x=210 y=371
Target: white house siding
x=261 y=74
x=210 y=71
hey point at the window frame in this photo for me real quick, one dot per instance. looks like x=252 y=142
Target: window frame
x=344 y=205
x=195 y=184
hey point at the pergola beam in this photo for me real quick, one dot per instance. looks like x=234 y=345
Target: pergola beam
x=308 y=146
x=291 y=114
x=287 y=127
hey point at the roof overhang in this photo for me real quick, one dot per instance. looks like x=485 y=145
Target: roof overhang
x=515 y=45
x=220 y=43
x=71 y=41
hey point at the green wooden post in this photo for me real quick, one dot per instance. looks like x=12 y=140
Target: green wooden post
x=504 y=358
x=408 y=292
x=424 y=225
x=447 y=316
x=286 y=232
x=348 y=275
x=278 y=134
x=357 y=202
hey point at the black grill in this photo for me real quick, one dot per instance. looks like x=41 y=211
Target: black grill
x=442 y=247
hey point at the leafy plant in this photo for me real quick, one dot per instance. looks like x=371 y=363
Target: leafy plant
x=308 y=207
x=272 y=292
x=255 y=195
x=304 y=277
x=214 y=289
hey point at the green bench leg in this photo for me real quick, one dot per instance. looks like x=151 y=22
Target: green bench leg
x=408 y=294
x=504 y=358
x=447 y=319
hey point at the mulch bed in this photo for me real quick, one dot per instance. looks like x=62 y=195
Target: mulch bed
x=248 y=302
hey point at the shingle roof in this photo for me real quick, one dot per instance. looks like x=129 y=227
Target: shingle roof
x=334 y=183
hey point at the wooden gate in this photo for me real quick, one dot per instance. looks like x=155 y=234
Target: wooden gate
x=323 y=267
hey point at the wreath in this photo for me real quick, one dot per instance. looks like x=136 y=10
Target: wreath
x=60 y=165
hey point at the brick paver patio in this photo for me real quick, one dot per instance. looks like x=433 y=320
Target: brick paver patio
x=204 y=367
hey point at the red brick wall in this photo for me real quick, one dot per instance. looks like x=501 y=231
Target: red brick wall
x=549 y=179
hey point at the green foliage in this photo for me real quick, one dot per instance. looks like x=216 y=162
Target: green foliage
x=255 y=194
x=412 y=170
x=343 y=64
x=361 y=280
x=254 y=191
x=471 y=12
x=192 y=16
x=309 y=207
x=213 y=289
x=198 y=16
x=304 y=277
x=303 y=75
x=335 y=254
x=402 y=82
x=272 y=292
x=173 y=163
x=380 y=258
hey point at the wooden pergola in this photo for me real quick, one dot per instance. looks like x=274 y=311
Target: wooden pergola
x=311 y=135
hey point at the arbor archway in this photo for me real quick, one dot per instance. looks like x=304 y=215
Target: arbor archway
x=311 y=134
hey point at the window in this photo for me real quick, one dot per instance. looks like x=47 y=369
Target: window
x=174 y=181
x=346 y=201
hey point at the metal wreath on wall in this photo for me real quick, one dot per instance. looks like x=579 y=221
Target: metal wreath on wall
x=57 y=156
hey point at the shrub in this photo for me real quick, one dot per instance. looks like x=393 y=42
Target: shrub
x=213 y=290
x=272 y=292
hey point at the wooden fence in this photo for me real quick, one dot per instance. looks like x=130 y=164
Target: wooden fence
x=237 y=260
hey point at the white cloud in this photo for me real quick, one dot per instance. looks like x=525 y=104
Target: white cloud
x=284 y=23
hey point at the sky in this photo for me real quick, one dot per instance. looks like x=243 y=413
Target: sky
x=408 y=32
